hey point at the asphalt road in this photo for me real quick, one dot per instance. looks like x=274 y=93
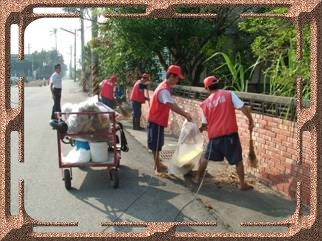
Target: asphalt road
x=140 y=197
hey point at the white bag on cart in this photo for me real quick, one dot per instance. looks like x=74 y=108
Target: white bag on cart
x=189 y=150
x=87 y=123
x=79 y=154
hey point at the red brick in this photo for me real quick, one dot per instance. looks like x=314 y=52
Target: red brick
x=275 y=146
x=291 y=151
x=284 y=133
x=289 y=161
x=279 y=121
x=262 y=122
x=282 y=147
x=280 y=138
x=260 y=140
x=291 y=144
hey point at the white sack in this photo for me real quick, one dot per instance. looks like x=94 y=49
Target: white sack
x=189 y=150
x=77 y=156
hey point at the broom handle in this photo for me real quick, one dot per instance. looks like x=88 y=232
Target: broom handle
x=251 y=135
x=147 y=93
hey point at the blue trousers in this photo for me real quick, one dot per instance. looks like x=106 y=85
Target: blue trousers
x=107 y=102
x=137 y=111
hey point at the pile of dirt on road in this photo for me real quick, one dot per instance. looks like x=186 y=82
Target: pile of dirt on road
x=225 y=176
x=36 y=83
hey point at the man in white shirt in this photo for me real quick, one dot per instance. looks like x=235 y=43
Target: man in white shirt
x=158 y=115
x=55 y=88
x=219 y=119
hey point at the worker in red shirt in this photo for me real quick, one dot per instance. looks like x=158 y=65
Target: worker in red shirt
x=219 y=119
x=138 y=98
x=158 y=115
x=108 y=91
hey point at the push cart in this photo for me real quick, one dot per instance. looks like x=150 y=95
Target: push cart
x=108 y=135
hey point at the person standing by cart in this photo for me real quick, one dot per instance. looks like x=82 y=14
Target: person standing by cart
x=158 y=115
x=219 y=119
x=138 y=98
x=55 y=85
x=107 y=93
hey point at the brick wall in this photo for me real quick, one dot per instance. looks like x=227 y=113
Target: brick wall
x=274 y=144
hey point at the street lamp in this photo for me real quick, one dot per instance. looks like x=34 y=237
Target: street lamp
x=74 y=33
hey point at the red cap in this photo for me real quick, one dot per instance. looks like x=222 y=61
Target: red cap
x=113 y=78
x=145 y=75
x=210 y=80
x=175 y=69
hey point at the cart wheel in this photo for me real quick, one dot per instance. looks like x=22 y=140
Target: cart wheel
x=67 y=179
x=115 y=178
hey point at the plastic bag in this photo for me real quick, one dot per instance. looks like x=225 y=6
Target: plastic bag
x=189 y=150
x=67 y=107
x=78 y=156
x=87 y=123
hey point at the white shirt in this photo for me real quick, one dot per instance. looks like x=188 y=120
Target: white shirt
x=165 y=97
x=238 y=104
x=56 y=79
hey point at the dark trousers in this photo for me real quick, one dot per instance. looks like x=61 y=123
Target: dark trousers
x=108 y=102
x=137 y=112
x=56 y=107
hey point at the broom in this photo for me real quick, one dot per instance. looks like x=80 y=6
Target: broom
x=125 y=113
x=147 y=93
x=252 y=159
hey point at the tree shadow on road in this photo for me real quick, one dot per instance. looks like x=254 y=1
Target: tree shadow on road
x=140 y=197
x=263 y=201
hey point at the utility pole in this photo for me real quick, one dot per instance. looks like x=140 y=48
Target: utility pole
x=83 y=80
x=75 y=56
x=70 y=62
x=28 y=70
x=74 y=33
x=54 y=32
x=32 y=61
x=95 y=82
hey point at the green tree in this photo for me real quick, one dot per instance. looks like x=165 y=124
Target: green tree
x=161 y=41
x=275 y=45
x=42 y=63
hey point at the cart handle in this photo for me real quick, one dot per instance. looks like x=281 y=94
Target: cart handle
x=86 y=113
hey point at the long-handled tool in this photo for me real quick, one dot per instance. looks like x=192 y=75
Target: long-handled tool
x=252 y=159
x=147 y=94
x=123 y=111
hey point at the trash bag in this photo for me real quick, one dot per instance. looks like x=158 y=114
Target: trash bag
x=77 y=156
x=87 y=123
x=189 y=150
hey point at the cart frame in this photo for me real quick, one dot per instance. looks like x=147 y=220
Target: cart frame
x=112 y=167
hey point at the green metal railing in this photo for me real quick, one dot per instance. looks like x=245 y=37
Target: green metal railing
x=275 y=106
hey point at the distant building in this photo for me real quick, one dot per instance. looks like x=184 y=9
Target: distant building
x=21 y=68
